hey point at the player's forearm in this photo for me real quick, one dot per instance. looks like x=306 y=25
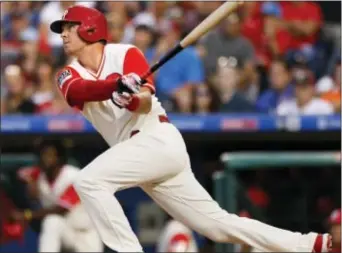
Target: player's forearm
x=143 y=102
x=81 y=91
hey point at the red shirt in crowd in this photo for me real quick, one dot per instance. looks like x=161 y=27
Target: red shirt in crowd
x=252 y=28
x=302 y=11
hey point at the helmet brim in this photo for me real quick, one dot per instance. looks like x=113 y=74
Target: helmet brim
x=57 y=25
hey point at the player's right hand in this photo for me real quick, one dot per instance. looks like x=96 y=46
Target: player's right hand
x=130 y=83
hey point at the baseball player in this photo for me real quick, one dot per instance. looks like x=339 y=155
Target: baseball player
x=176 y=237
x=146 y=150
x=65 y=223
x=334 y=223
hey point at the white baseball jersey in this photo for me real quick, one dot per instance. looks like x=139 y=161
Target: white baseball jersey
x=113 y=123
x=176 y=237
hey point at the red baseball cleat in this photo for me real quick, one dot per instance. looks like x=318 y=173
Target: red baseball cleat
x=323 y=243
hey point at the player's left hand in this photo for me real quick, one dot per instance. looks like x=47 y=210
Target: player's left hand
x=130 y=83
x=121 y=100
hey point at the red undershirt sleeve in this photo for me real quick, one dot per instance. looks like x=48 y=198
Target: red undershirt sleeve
x=135 y=62
x=77 y=90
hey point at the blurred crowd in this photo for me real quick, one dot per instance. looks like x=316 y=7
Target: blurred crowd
x=268 y=57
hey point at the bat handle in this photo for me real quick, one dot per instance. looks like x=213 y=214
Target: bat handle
x=145 y=75
x=161 y=62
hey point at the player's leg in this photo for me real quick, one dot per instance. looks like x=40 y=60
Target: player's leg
x=130 y=163
x=86 y=238
x=54 y=229
x=88 y=241
x=187 y=201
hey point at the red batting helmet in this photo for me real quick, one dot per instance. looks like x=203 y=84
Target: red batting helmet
x=93 y=24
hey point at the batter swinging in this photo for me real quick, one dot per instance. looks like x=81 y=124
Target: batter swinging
x=145 y=149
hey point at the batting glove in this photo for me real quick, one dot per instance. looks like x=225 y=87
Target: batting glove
x=129 y=83
x=121 y=100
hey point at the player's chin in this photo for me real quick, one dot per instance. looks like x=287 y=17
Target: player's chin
x=68 y=50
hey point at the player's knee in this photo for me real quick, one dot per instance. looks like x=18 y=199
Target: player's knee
x=216 y=234
x=84 y=183
x=87 y=182
x=52 y=222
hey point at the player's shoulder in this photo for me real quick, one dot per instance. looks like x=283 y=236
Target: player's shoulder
x=118 y=48
x=71 y=168
x=69 y=173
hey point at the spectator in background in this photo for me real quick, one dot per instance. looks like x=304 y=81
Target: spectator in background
x=116 y=26
x=143 y=39
x=277 y=41
x=193 y=12
x=261 y=25
x=231 y=100
x=252 y=25
x=302 y=20
x=28 y=57
x=65 y=224
x=203 y=99
x=43 y=94
x=227 y=41
x=141 y=19
x=17 y=98
x=174 y=81
x=304 y=102
x=19 y=23
x=27 y=7
x=335 y=230
x=329 y=88
x=280 y=87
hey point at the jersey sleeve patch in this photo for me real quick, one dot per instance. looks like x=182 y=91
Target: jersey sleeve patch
x=64 y=76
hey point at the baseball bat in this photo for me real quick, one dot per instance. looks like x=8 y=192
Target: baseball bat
x=211 y=21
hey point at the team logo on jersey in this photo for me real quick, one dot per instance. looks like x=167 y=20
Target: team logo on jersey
x=63 y=77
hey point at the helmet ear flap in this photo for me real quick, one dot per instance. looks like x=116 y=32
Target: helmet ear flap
x=88 y=31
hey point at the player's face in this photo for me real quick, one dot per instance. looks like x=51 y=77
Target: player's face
x=49 y=159
x=72 y=43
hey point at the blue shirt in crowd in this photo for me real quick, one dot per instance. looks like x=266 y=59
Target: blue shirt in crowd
x=185 y=67
x=270 y=99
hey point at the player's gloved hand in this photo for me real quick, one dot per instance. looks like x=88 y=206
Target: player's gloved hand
x=121 y=100
x=129 y=83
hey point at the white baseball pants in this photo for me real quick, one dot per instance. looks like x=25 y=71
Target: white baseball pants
x=156 y=160
x=57 y=233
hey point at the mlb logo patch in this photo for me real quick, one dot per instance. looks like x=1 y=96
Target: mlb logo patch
x=64 y=76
